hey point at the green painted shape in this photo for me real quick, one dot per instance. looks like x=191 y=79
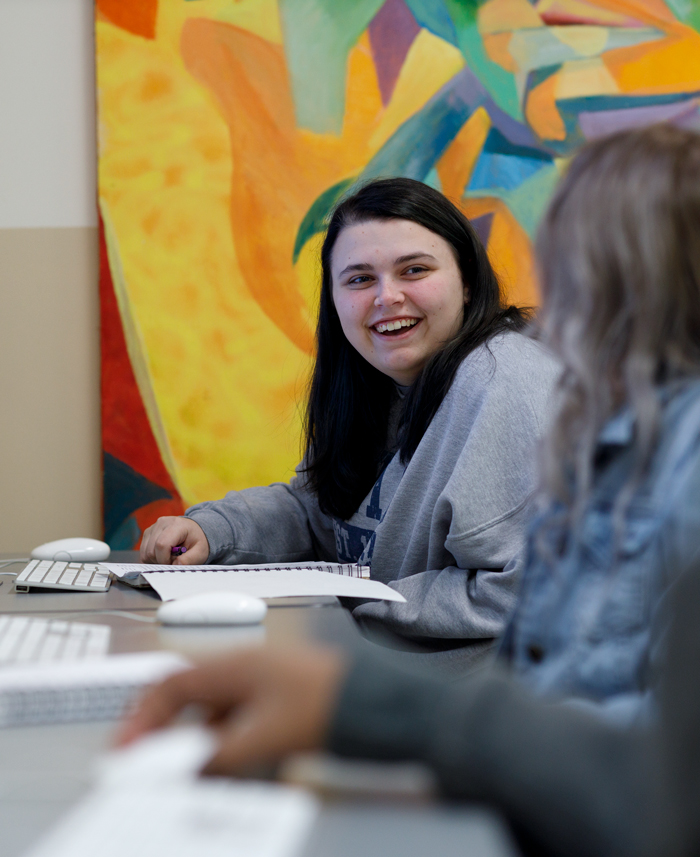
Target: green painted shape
x=315 y=218
x=318 y=35
x=499 y=83
x=528 y=201
x=687 y=11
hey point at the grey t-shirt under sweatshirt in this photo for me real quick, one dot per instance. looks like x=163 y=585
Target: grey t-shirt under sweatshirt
x=449 y=525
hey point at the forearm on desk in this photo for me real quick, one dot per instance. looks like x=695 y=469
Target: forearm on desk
x=568 y=783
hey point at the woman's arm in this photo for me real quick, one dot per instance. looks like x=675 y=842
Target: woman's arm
x=276 y=523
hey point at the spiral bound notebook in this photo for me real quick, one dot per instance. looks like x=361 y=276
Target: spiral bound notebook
x=264 y=581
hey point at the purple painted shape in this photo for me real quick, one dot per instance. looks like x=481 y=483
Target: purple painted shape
x=482 y=226
x=604 y=122
x=391 y=34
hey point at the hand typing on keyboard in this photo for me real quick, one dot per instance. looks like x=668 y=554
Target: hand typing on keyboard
x=267 y=703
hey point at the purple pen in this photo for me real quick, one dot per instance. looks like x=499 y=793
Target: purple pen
x=178 y=551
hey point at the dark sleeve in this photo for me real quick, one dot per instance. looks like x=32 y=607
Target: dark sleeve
x=568 y=783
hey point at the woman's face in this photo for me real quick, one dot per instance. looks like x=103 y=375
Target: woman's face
x=399 y=294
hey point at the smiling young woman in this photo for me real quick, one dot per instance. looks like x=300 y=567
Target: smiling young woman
x=424 y=410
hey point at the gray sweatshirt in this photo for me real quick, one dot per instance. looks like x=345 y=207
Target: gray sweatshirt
x=445 y=530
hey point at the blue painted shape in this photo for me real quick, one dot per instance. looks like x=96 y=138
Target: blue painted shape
x=528 y=200
x=434 y=16
x=498 y=143
x=417 y=145
x=125 y=491
x=127 y=535
x=502 y=171
x=506 y=165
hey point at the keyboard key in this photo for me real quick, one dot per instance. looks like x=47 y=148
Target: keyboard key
x=38 y=574
x=24 y=574
x=83 y=578
x=69 y=576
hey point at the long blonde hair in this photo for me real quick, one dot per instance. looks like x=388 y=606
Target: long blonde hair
x=619 y=257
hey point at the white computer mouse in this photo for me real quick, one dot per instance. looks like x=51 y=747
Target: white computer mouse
x=73 y=550
x=213 y=608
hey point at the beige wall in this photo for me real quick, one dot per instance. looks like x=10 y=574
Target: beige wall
x=50 y=469
x=49 y=386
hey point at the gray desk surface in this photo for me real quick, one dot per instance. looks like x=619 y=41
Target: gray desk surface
x=44 y=770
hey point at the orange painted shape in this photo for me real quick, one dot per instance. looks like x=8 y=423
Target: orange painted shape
x=496 y=46
x=134 y=16
x=510 y=251
x=278 y=170
x=669 y=65
x=542 y=113
x=455 y=166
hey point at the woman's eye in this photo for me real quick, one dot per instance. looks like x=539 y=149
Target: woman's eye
x=360 y=280
x=416 y=269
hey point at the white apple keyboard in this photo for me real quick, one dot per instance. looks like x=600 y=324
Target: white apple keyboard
x=26 y=639
x=73 y=576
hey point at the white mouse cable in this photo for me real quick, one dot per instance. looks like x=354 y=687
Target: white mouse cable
x=6 y=562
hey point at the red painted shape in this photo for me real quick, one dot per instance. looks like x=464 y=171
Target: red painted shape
x=126 y=431
x=135 y=16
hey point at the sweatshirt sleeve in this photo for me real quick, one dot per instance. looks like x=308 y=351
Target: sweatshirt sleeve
x=276 y=523
x=567 y=783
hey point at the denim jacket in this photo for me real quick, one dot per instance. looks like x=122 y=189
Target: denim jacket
x=587 y=623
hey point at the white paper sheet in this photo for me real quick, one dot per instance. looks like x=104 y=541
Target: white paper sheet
x=172 y=582
x=268 y=584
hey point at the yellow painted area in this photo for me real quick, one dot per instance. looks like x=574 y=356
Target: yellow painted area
x=260 y=17
x=455 y=167
x=497 y=16
x=225 y=379
x=668 y=65
x=429 y=64
x=205 y=179
x=586 y=41
x=584 y=77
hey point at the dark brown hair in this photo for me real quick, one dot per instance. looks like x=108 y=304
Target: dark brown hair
x=348 y=405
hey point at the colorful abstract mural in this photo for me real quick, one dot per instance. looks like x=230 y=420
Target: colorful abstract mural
x=229 y=128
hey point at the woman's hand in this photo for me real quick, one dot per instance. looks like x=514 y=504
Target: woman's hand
x=264 y=704
x=170 y=532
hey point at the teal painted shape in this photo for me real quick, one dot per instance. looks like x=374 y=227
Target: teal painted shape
x=434 y=16
x=315 y=219
x=433 y=179
x=528 y=201
x=499 y=83
x=127 y=536
x=318 y=35
x=455 y=22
